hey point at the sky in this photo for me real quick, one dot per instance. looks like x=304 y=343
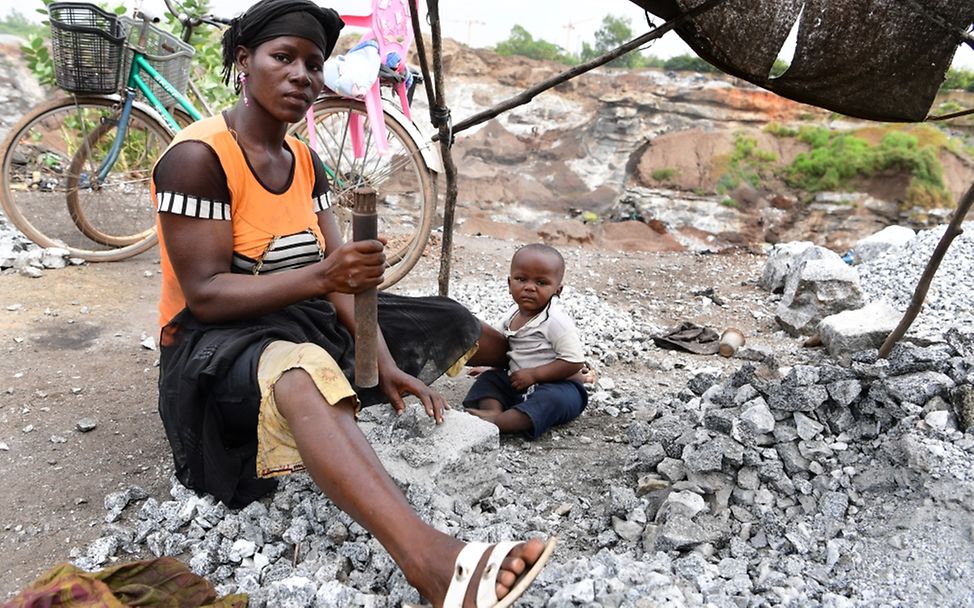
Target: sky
x=566 y=23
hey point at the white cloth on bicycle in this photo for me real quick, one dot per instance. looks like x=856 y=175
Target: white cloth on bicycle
x=352 y=74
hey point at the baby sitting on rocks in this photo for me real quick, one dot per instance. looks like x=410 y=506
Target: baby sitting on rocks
x=547 y=365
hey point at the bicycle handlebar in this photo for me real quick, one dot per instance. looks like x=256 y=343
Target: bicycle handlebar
x=189 y=22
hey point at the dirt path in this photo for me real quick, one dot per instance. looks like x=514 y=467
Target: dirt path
x=72 y=349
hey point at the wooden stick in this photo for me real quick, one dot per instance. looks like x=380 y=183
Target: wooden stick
x=920 y=293
x=436 y=95
x=364 y=228
x=635 y=43
x=445 y=138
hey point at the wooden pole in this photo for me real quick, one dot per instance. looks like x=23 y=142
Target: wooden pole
x=635 y=43
x=920 y=293
x=439 y=113
x=364 y=228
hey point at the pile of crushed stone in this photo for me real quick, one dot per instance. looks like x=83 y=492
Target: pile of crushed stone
x=893 y=276
x=808 y=485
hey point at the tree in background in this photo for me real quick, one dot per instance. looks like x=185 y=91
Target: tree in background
x=521 y=42
x=688 y=63
x=615 y=31
x=958 y=80
x=16 y=24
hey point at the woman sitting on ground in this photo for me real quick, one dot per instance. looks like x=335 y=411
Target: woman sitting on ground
x=257 y=317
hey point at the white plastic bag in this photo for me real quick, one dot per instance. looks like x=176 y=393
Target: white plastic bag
x=352 y=74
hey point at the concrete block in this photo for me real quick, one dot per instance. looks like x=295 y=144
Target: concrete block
x=851 y=331
x=456 y=460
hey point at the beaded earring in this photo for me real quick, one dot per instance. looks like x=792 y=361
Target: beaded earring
x=242 y=79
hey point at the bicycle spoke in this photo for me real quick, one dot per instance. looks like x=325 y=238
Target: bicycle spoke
x=406 y=195
x=51 y=190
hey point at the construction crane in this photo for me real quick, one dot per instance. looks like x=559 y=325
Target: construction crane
x=470 y=23
x=570 y=27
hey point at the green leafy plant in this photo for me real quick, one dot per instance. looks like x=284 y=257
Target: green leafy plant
x=779 y=130
x=663 y=174
x=837 y=158
x=747 y=163
x=37 y=56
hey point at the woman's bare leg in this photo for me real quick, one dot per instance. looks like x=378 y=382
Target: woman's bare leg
x=492 y=349
x=346 y=468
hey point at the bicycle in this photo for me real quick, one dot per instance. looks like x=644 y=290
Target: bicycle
x=96 y=146
x=76 y=168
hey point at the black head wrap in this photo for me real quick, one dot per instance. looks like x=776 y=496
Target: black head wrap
x=272 y=18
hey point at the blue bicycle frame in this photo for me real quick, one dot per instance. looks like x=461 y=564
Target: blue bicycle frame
x=134 y=85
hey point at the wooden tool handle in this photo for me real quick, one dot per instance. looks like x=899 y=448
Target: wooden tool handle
x=364 y=228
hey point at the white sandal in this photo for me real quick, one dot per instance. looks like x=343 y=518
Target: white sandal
x=467 y=562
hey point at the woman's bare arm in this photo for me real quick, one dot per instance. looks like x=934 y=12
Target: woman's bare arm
x=394 y=382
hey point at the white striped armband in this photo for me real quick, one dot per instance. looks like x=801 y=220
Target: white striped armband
x=192 y=206
x=322 y=202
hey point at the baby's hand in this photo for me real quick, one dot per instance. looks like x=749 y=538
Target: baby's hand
x=522 y=379
x=473 y=372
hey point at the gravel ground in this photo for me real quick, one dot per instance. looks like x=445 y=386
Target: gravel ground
x=772 y=478
x=894 y=275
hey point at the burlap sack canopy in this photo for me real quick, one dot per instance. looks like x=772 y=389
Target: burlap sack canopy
x=874 y=59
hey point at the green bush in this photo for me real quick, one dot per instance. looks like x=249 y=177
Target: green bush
x=747 y=163
x=837 y=158
x=814 y=136
x=663 y=174
x=207 y=63
x=949 y=107
x=779 y=130
x=689 y=63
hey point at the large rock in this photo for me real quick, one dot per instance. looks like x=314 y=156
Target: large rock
x=456 y=460
x=781 y=260
x=851 y=331
x=679 y=532
x=876 y=244
x=816 y=288
x=963 y=400
x=916 y=388
x=681 y=211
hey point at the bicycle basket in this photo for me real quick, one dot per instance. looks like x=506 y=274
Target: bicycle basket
x=175 y=68
x=86 y=44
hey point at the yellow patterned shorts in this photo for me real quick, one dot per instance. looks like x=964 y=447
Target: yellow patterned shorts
x=277 y=452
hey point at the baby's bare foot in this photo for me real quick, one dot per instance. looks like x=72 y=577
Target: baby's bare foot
x=483 y=414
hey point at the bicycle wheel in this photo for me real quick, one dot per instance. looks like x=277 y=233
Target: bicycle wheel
x=50 y=160
x=406 y=190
